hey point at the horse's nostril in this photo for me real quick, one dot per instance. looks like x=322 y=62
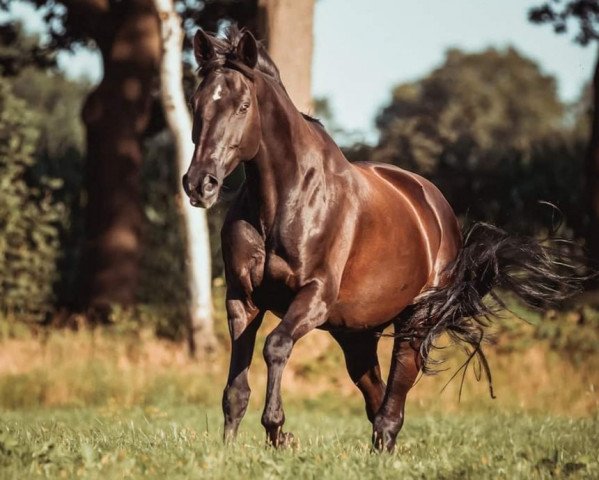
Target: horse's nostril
x=209 y=184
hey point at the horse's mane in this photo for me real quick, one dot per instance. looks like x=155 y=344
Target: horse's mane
x=225 y=48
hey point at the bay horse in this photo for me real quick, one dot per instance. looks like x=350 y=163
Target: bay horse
x=324 y=243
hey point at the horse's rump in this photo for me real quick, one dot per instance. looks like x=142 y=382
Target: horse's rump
x=405 y=236
x=439 y=223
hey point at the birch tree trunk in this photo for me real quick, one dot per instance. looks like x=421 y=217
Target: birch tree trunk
x=201 y=332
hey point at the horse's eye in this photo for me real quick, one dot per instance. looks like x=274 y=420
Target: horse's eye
x=244 y=107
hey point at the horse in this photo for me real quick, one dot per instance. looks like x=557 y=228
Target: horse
x=323 y=243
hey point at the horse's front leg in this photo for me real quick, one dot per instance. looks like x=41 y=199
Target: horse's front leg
x=244 y=322
x=308 y=310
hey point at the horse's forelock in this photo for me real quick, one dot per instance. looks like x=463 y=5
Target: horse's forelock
x=226 y=55
x=240 y=67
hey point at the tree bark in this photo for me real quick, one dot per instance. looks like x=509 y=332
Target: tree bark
x=116 y=114
x=201 y=338
x=287 y=28
x=592 y=178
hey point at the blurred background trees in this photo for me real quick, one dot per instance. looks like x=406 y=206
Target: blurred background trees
x=488 y=127
x=29 y=213
x=464 y=113
x=42 y=161
x=121 y=241
x=584 y=14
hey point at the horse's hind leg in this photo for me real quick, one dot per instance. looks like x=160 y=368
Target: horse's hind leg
x=359 y=349
x=405 y=366
x=243 y=325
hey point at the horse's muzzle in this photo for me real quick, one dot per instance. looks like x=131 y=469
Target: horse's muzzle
x=203 y=192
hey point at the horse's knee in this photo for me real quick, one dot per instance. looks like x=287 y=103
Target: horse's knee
x=277 y=348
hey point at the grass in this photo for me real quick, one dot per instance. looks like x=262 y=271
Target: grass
x=114 y=403
x=184 y=442
x=100 y=368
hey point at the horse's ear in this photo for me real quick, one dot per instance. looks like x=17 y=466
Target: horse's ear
x=247 y=49
x=202 y=47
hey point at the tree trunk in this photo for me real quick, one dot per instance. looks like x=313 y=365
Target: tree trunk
x=287 y=28
x=201 y=336
x=116 y=114
x=592 y=178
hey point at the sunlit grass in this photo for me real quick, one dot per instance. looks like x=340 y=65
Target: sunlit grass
x=121 y=403
x=103 y=367
x=184 y=442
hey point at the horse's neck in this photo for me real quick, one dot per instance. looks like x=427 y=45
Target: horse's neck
x=285 y=155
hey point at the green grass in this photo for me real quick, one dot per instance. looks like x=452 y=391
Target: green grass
x=107 y=403
x=184 y=442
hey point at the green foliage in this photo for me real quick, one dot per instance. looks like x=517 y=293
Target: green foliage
x=53 y=104
x=471 y=111
x=68 y=24
x=19 y=51
x=186 y=443
x=163 y=284
x=58 y=102
x=59 y=153
x=573 y=333
x=29 y=216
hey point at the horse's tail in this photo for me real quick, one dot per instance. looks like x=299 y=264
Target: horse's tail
x=539 y=273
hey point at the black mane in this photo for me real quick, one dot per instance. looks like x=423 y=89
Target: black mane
x=226 y=51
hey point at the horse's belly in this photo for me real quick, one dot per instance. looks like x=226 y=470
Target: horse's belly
x=380 y=285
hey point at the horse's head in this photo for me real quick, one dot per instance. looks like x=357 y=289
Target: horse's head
x=226 y=122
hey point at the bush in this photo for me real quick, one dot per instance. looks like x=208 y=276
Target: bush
x=29 y=216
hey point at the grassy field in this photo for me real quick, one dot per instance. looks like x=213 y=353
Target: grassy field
x=106 y=403
x=184 y=442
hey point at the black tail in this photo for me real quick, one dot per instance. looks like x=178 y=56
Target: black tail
x=540 y=273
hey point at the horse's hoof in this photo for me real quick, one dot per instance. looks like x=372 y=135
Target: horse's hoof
x=284 y=440
x=382 y=443
x=287 y=440
x=229 y=438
